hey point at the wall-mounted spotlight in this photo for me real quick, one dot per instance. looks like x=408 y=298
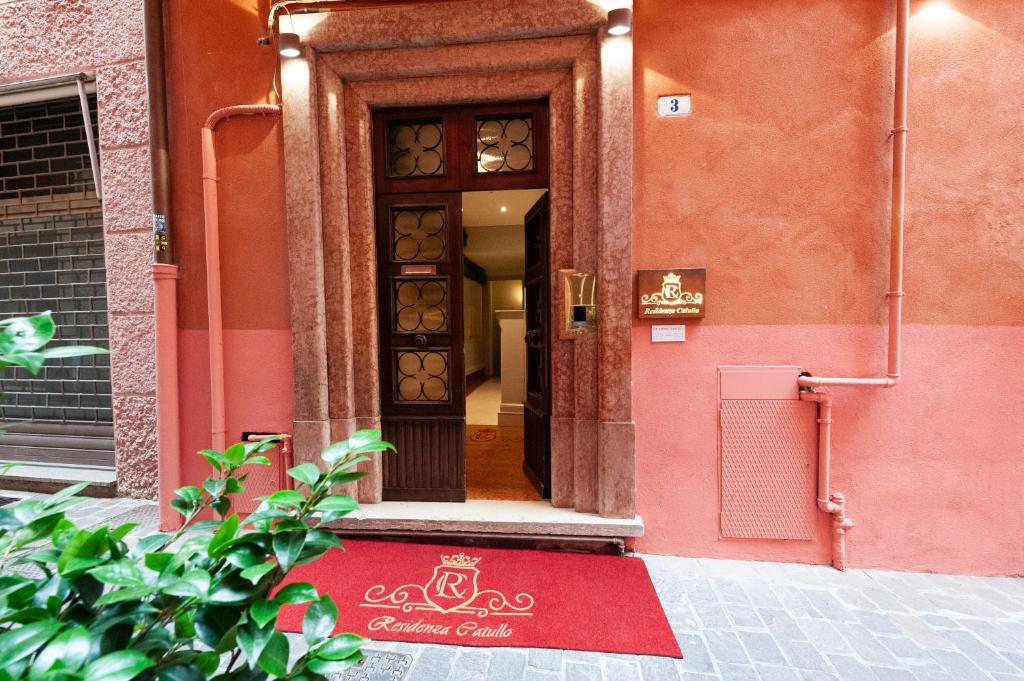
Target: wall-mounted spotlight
x=620 y=21
x=288 y=44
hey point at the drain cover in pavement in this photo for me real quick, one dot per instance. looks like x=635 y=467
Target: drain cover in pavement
x=378 y=666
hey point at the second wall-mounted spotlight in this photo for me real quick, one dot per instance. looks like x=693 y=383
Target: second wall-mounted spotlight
x=289 y=45
x=620 y=21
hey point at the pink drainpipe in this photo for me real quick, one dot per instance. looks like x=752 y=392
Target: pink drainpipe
x=829 y=501
x=165 y=282
x=218 y=423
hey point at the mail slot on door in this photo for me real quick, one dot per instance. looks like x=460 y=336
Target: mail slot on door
x=579 y=307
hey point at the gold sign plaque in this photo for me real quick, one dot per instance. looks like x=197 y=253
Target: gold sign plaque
x=671 y=294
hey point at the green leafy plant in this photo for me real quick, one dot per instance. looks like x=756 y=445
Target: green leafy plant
x=201 y=602
x=22 y=344
x=22 y=341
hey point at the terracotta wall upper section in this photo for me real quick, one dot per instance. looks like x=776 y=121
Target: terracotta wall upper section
x=779 y=182
x=213 y=61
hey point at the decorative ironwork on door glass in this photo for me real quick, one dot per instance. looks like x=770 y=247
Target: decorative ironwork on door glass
x=504 y=145
x=421 y=306
x=421 y=376
x=416 y=149
x=419 y=234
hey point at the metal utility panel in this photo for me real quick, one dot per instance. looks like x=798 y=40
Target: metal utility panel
x=768 y=447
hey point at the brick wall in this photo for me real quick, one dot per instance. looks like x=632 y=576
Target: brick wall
x=51 y=258
x=42 y=38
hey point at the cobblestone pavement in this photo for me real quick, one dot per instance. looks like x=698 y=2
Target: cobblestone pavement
x=740 y=621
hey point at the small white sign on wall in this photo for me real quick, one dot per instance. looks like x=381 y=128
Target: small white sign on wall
x=668 y=333
x=674 y=105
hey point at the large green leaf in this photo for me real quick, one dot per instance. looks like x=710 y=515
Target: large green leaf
x=252 y=639
x=131 y=593
x=319 y=620
x=194 y=583
x=69 y=650
x=306 y=473
x=245 y=555
x=274 y=659
x=263 y=612
x=226 y=533
x=119 y=573
x=341 y=646
x=337 y=503
x=325 y=667
x=255 y=573
x=287 y=547
x=181 y=672
x=235 y=454
x=298 y=592
x=121 y=665
x=214 y=621
x=285 y=498
x=74 y=351
x=20 y=642
x=84 y=544
x=25 y=334
x=232 y=589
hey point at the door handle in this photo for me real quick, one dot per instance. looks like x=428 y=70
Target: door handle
x=420 y=340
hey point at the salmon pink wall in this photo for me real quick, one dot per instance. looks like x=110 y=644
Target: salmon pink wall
x=778 y=183
x=213 y=61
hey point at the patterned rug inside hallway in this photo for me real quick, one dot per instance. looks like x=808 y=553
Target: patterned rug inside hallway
x=494 y=464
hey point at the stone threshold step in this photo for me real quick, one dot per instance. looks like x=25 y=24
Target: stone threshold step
x=487 y=517
x=47 y=479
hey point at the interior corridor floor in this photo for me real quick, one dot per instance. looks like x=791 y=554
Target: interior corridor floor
x=494 y=454
x=484 y=402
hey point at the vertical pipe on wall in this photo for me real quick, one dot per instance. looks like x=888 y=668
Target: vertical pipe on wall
x=218 y=420
x=165 y=281
x=898 y=217
x=834 y=503
x=159 y=155
x=165 y=274
x=899 y=193
x=830 y=502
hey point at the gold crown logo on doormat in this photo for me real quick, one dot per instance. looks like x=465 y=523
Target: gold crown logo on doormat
x=452 y=589
x=460 y=560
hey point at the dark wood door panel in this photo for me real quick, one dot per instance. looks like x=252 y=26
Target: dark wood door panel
x=537 y=408
x=430 y=464
x=536 y=439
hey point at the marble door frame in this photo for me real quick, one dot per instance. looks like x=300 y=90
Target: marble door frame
x=454 y=53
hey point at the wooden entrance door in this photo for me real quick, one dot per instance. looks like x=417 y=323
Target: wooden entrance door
x=419 y=255
x=423 y=160
x=537 y=409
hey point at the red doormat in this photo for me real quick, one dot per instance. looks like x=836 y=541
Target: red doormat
x=425 y=593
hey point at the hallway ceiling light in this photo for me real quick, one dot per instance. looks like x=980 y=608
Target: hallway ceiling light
x=288 y=44
x=620 y=21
